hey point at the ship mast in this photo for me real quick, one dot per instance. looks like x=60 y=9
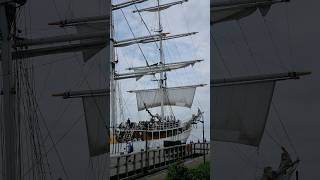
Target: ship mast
x=162 y=83
x=10 y=160
x=113 y=107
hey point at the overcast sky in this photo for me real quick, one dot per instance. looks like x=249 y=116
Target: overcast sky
x=287 y=41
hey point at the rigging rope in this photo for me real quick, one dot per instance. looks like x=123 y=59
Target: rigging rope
x=248 y=46
x=283 y=127
x=145 y=58
x=221 y=57
x=291 y=56
x=23 y=73
x=276 y=50
x=259 y=70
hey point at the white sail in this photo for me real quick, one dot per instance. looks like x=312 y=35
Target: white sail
x=241 y=111
x=174 y=96
x=91 y=28
x=96 y=114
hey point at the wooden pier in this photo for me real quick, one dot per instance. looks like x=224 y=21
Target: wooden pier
x=138 y=164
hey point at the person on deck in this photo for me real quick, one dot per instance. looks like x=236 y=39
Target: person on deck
x=285 y=164
x=128 y=122
x=130 y=147
x=268 y=173
x=286 y=161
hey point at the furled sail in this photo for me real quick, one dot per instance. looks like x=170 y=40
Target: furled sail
x=139 y=72
x=240 y=112
x=126 y=4
x=161 y=7
x=170 y=66
x=174 y=96
x=150 y=39
x=227 y=11
x=96 y=114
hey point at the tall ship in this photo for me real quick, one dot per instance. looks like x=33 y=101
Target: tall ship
x=59 y=93
x=161 y=124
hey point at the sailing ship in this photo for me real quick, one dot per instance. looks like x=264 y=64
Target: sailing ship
x=161 y=126
x=241 y=105
x=24 y=131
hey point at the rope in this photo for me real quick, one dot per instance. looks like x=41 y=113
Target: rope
x=283 y=127
x=144 y=23
x=289 y=34
x=248 y=46
x=221 y=57
x=247 y=43
x=274 y=44
x=145 y=58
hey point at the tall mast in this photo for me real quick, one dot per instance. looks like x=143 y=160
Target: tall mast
x=10 y=127
x=162 y=62
x=113 y=107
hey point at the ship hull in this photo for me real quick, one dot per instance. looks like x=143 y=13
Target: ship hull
x=152 y=144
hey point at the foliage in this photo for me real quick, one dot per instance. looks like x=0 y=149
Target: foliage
x=179 y=172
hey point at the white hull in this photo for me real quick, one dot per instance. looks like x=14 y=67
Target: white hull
x=152 y=144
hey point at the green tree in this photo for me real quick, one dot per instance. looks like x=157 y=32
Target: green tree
x=179 y=172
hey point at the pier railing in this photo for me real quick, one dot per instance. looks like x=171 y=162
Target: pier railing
x=133 y=165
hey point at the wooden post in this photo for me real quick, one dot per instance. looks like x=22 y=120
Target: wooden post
x=134 y=163
x=175 y=153
x=159 y=156
x=169 y=155
x=127 y=166
x=118 y=167
x=148 y=160
x=154 y=159
x=164 y=156
x=141 y=162
x=184 y=151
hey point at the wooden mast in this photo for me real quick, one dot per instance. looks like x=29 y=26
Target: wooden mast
x=10 y=127
x=162 y=62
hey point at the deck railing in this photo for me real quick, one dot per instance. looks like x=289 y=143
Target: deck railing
x=137 y=164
